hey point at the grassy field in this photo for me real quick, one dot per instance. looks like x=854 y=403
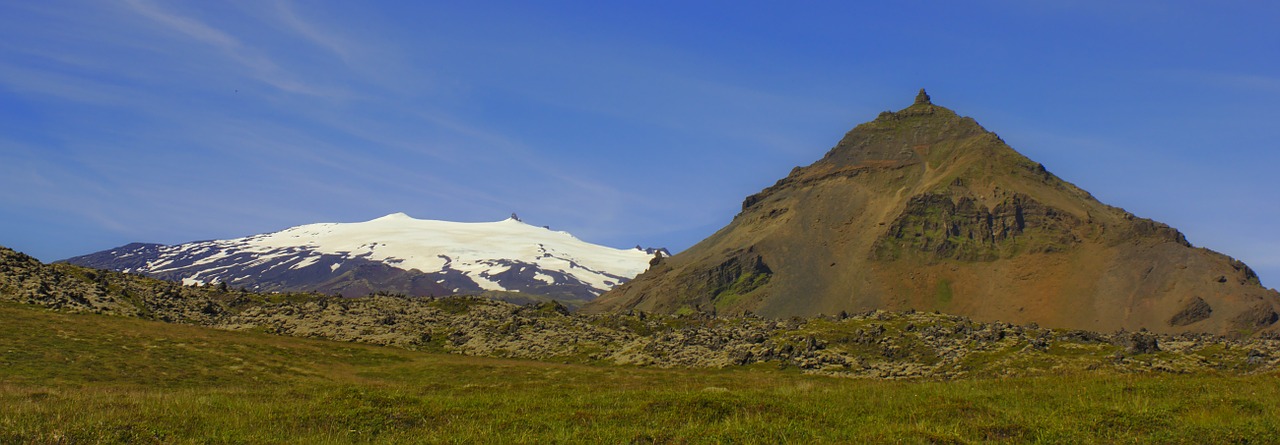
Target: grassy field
x=89 y=379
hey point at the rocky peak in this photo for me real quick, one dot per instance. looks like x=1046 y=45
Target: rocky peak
x=903 y=137
x=924 y=208
x=922 y=98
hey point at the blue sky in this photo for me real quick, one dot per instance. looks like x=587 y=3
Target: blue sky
x=623 y=123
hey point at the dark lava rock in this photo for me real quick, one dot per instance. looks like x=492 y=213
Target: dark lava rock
x=1194 y=311
x=1259 y=316
x=1137 y=342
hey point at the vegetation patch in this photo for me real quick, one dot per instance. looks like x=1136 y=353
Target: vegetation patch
x=456 y=305
x=947 y=225
x=943 y=291
x=745 y=283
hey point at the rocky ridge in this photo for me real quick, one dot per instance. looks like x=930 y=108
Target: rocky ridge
x=876 y=344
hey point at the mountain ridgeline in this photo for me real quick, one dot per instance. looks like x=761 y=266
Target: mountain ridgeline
x=925 y=209
x=393 y=254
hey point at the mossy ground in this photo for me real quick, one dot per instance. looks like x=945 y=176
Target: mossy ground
x=943 y=293
x=730 y=295
x=89 y=378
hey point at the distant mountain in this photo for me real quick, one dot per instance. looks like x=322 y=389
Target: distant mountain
x=925 y=209
x=394 y=253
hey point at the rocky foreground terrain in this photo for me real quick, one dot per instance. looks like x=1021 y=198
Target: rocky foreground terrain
x=876 y=344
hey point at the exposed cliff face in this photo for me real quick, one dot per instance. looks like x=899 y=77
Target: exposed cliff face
x=708 y=289
x=925 y=209
x=942 y=227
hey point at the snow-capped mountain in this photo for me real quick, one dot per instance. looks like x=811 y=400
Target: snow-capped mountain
x=395 y=253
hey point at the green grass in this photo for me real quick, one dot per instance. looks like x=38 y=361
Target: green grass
x=456 y=305
x=730 y=295
x=943 y=292
x=89 y=379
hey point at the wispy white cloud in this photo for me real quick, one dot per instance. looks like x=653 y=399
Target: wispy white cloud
x=603 y=202
x=344 y=49
x=30 y=177
x=365 y=59
x=192 y=28
x=61 y=86
x=259 y=65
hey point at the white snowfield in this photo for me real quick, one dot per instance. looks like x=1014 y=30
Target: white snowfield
x=479 y=250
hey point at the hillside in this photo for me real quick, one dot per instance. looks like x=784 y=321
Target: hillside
x=925 y=209
x=873 y=344
x=85 y=358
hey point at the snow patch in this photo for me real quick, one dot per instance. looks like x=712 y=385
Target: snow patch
x=306 y=262
x=158 y=264
x=485 y=283
x=544 y=278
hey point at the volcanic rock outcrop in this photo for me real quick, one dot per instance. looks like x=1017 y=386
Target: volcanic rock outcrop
x=925 y=209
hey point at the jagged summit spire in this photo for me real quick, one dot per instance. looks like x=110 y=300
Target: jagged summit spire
x=923 y=98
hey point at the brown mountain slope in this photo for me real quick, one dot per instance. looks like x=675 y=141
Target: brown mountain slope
x=925 y=209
